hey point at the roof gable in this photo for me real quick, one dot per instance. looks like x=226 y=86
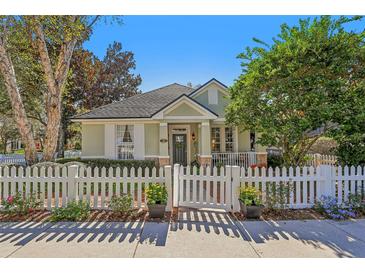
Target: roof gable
x=183 y=107
x=205 y=87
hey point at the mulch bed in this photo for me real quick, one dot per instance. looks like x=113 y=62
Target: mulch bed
x=284 y=214
x=34 y=216
x=95 y=216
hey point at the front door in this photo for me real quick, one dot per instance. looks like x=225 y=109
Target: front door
x=179 y=149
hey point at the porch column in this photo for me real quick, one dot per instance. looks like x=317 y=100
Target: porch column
x=139 y=142
x=205 y=153
x=164 y=158
x=109 y=141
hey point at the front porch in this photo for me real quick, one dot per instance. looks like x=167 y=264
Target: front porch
x=208 y=143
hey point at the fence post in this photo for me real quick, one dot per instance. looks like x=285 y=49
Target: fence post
x=168 y=183
x=73 y=173
x=235 y=173
x=325 y=181
x=176 y=185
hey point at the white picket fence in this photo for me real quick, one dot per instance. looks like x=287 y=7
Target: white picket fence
x=56 y=187
x=321 y=159
x=303 y=186
x=189 y=187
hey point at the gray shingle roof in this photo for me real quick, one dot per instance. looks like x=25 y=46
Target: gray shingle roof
x=142 y=105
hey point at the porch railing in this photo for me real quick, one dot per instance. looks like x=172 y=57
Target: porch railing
x=242 y=159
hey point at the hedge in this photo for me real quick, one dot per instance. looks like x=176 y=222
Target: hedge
x=111 y=163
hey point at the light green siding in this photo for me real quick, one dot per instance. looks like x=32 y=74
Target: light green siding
x=243 y=140
x=219 y=108
x=92 y=140
x=152 y=140
x=184 y=110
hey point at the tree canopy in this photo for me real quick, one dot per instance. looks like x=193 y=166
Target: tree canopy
x=305 y=80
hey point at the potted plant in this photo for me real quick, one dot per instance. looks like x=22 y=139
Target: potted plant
x=156 y=200
x=250 y=203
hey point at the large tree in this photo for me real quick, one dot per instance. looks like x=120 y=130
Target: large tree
x=54 y=38
x=301 y=82
x=94 y=82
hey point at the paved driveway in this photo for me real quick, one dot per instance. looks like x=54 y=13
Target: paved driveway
x=195 y=234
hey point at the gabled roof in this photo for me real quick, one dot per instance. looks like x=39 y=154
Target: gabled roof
x=199 y=89
x=142 y=105
x=147 y=104
x=196 y=105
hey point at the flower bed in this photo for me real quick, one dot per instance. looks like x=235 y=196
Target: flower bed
x=94 y=216
x=284 y=214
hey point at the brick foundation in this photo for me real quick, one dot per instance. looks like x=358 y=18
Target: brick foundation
x=205 y=161
x=163 y=161
x=262 y=159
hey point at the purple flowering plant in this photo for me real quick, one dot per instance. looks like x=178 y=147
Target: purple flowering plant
x=330 y=207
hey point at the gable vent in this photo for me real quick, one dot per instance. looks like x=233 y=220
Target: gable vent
x=213 y=97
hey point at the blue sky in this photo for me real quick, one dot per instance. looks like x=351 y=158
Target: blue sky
x=186 y=49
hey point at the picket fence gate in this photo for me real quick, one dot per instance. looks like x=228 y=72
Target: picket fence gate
x=216 y=188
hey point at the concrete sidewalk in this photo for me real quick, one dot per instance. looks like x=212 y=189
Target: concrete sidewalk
x=195 y=234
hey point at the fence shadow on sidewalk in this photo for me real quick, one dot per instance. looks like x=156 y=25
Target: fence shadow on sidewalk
x=316 y=233
x=207 y=221
x=20 y=234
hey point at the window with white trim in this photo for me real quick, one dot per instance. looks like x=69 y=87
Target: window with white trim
x=228 y=132
x=125 y=144
x=215 y=137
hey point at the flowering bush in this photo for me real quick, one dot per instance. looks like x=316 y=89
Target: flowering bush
x=156 y=194
x=121 y=204
x=329 y=206
x=250 y=196
x=21 y=204
x=74 y=212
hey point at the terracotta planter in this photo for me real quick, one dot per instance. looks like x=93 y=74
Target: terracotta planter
x=156 y=210
x=251 y=211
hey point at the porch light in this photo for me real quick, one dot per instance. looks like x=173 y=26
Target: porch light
x=193 y=136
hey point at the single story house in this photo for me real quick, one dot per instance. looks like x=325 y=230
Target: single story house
x=171 y=124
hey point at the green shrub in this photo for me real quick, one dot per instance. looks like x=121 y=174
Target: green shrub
x=278 y=194
x=74 y=211
x=111 y=163
x=250 y=196
x=19 y=204
x=275 y=160
x=121 y=204
x=156 y=194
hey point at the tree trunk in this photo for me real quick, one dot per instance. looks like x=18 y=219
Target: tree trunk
x=61 y=141
x=21 y=119
x=55 y=83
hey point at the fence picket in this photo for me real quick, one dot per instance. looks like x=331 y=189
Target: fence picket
x=103 y=188
x=214 y=181
x=96 y=188
x=57 y=186
x=208 y=183
x=139 y=187
x=346 y=183
x=132 y=179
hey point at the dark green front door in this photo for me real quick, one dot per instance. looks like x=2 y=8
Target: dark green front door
x=179 y=149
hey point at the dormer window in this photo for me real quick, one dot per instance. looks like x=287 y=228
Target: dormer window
x=213 y=97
